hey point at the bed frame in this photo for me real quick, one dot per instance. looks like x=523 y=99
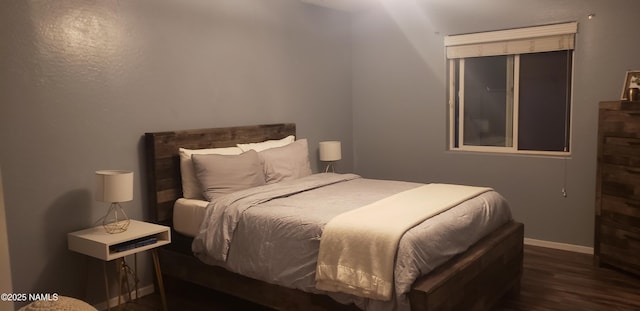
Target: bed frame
x=474 y=280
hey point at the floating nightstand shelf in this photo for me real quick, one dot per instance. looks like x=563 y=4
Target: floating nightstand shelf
x=97 y=243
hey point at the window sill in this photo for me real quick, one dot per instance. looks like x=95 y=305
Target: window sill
x=486 y=150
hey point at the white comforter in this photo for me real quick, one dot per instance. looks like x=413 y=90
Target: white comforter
x=277 y=239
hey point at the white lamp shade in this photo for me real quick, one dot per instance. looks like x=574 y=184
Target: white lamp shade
x=330 y=150
x=114 y=186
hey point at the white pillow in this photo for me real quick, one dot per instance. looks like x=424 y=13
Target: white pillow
x=267 y=144
x=287 y=162
x=190 y=186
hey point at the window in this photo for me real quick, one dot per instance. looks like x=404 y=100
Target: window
x=510 y=90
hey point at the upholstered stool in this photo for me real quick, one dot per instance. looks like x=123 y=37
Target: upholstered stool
x=62 y=304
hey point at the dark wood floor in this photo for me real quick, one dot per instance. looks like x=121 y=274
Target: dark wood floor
x=561 y=280
x=552 y=280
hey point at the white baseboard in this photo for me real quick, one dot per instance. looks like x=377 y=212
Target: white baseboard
x=143 y=291
x=561 y=246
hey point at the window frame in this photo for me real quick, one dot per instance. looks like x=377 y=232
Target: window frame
x=520 y=34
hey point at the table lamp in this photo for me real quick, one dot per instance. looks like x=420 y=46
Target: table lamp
x=114 y=186
x=330 y=151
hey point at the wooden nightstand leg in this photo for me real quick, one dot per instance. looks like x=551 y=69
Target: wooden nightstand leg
x=135 y=275
x=156 y=265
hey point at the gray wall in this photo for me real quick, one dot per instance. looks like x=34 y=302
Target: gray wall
x=399 y=102
x=82 y=81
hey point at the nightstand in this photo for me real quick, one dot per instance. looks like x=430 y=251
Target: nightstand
x=139 y=237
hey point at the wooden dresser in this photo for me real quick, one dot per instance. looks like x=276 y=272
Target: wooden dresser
x=617 y=231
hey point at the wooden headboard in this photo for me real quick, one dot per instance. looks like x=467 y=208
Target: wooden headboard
x=163 y=163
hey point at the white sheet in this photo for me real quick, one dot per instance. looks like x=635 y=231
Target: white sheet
x=188 y=215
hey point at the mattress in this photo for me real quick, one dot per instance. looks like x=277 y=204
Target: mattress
x=188 y=215
x=268 y=233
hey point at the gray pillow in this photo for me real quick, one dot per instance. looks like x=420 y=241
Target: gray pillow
x=223 y=174
x=287 y=162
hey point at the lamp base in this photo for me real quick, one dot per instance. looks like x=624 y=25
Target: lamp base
x=116 y=220
x=330 y=166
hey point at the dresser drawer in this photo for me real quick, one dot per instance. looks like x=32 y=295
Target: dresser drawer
x=619 y=248
x=626 y=123
x=624 y=213
x=621 y=151
x=620 y=181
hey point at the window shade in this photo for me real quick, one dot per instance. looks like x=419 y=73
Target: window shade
x=513 y=41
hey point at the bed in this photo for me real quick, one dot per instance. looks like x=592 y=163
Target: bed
x=475 y=279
